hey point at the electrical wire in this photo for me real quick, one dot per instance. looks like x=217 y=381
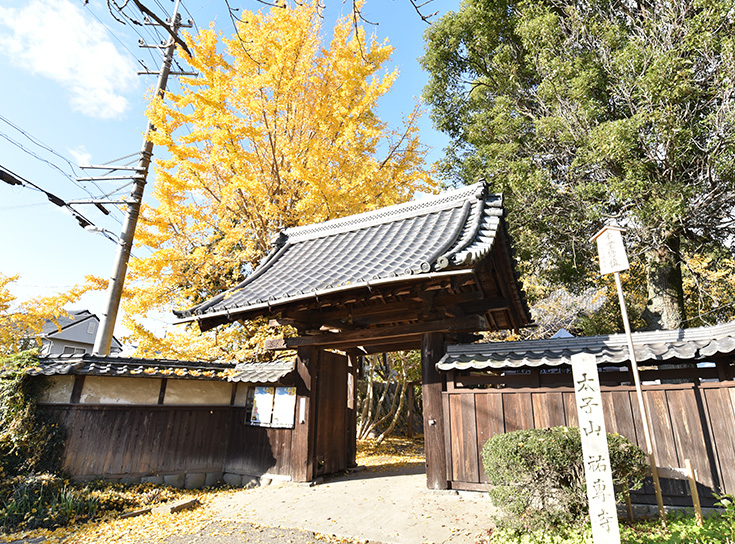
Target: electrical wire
x=49 y=163
x=158 y=3
x=11 y=178
x=39 y=143
x=200 y=8
x=19 y=206
x=114 y=35
x=191 y=17
x=38 y=157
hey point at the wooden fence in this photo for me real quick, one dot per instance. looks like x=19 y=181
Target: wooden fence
x=689 y=421
x=140 y=440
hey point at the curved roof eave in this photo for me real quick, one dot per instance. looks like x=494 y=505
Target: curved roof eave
x=443 y=235
x=270 y=305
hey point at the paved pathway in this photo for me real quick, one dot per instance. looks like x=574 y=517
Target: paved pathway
x=386 y=506
x=389 y=506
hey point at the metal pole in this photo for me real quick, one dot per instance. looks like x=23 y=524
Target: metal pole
x=103 y=340
x=641 y=404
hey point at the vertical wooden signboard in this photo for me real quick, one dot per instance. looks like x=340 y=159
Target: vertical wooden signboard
x=611 y=249
x=597 y=469
x=614 y=260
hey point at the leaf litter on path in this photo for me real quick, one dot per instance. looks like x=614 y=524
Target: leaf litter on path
x=202 y=526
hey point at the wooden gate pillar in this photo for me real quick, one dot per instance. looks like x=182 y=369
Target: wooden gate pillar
x=304 y=432
x=432 y=349
x=353 y=364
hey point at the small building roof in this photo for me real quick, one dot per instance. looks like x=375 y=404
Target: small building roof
x=407 y=243
x=681 y=345
x=62 y=322
x=94 y=365
x=69 y=328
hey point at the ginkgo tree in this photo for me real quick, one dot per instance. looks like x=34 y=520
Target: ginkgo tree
x=21 y=323
x=278 y=129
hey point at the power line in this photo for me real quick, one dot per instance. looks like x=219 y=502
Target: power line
x=18 y=206
x=11 y=178
x=160 y=6
x=114 y=35
x=38 y=142
x=49 y=163
x=191 y=17
x=48 y=148
x=149 y=18
x=200 y=8
x=34 y=155
x=38 y=157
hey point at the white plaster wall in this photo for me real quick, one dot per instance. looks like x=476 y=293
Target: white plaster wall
x=241 y=395
x=102 y=390
x=59 y=389
x=197 y=392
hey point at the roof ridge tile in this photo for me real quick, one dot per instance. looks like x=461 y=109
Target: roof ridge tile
x=396 y=212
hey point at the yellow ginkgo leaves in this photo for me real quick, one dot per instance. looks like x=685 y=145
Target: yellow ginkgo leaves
x=20 y=324
x=278 y=129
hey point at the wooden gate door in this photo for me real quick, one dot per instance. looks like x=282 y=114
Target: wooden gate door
x=331 y=448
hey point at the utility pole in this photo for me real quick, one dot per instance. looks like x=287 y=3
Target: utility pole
x=103 y=340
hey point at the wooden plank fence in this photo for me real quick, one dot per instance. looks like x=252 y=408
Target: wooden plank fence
x=689 y=421
x=140 y=440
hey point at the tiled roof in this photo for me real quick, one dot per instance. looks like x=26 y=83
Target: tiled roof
x=450 y=231
x=263 y=372
x=650 y=347
x=92 y=365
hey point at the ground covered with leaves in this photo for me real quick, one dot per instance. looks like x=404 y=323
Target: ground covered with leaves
x=48 y=509
x=55 y=511
x=391 y=453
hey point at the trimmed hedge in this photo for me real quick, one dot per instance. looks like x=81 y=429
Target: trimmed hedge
x=538 y=474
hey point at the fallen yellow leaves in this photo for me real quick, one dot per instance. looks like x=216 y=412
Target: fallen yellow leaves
x=147 y=528
x=392 y=452
x=157 y=527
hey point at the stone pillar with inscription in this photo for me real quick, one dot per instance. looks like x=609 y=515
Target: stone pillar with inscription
x=597 y=468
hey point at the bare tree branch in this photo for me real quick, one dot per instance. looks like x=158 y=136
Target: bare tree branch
x=417 y=7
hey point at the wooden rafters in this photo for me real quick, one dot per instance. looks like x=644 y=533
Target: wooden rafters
x=428 y=302
x=381 y=335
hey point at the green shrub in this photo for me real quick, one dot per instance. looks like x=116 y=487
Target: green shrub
x=727 y=503
x=538 y=475
x=30 y=440
x=42 y=500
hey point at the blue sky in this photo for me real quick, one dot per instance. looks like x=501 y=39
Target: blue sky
x=71 y=95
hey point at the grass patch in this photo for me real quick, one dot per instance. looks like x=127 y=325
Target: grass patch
x=717 y=529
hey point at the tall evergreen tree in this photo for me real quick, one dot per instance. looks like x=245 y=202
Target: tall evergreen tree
x=585 y=111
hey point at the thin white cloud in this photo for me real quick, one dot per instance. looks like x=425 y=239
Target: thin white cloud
x=81 y=155
x=56 y=39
